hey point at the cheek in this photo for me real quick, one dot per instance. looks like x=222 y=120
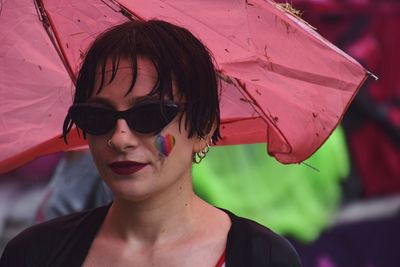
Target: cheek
x=164 y=144
x=95 y=147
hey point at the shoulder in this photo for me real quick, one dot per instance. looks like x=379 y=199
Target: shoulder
x=257 y=245
x=51 y=239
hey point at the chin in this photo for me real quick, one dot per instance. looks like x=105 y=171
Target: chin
x=130 y=187
x=130 y=197
x=131 y=193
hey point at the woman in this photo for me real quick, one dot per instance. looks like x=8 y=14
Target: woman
x=147 y=101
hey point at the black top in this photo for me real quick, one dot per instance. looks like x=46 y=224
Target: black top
x=65 y=241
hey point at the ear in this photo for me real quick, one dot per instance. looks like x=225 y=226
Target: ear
x=200 y=143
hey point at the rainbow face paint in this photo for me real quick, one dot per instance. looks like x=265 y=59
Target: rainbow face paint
x=164 y=144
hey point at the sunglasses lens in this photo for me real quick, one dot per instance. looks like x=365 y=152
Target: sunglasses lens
x=151 y=118
x=147 y=118
x=92 y=120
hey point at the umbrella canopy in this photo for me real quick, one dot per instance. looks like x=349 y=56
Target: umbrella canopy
x=282 y=83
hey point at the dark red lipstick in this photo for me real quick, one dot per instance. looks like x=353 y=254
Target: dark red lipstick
x=126 y=167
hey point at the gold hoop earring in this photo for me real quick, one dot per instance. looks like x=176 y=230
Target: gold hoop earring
x=199 y=156
x=196 y=159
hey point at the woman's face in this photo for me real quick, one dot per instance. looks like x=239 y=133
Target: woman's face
x=137 y=166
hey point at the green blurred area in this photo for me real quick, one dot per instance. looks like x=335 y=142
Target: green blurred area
x=294 y=200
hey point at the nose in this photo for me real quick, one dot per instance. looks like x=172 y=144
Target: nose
x=123 y=139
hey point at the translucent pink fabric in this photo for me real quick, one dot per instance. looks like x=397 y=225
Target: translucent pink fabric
x=282 y=83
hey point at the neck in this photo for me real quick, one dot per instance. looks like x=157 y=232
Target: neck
x=156 y=220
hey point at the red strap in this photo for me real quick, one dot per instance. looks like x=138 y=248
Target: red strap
x=221 y=260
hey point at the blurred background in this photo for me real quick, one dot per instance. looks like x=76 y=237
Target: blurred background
x=340 y=208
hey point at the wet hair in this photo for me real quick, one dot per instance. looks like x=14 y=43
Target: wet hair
x=177 y=56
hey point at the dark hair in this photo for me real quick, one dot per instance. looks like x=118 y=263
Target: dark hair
x=177 y=55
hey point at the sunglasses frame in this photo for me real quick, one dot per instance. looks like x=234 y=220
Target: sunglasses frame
x=125 y=114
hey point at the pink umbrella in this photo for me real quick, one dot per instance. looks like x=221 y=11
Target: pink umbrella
x=283 y=84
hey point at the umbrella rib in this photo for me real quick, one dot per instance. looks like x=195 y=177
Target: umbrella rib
x=122 y=9
x=311 y=77
x=53 y=36
x=242 y=89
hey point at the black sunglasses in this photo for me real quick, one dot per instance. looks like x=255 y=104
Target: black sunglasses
x=143 y=118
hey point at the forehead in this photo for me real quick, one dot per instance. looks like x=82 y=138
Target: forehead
x=125 y=71
x=118 y=78
x=121 y=84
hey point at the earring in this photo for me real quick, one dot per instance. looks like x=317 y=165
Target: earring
x=199 y=156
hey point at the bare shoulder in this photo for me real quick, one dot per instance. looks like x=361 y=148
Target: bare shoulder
x=215 y=223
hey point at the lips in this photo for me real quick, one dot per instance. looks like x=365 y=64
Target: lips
x=126 y=167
